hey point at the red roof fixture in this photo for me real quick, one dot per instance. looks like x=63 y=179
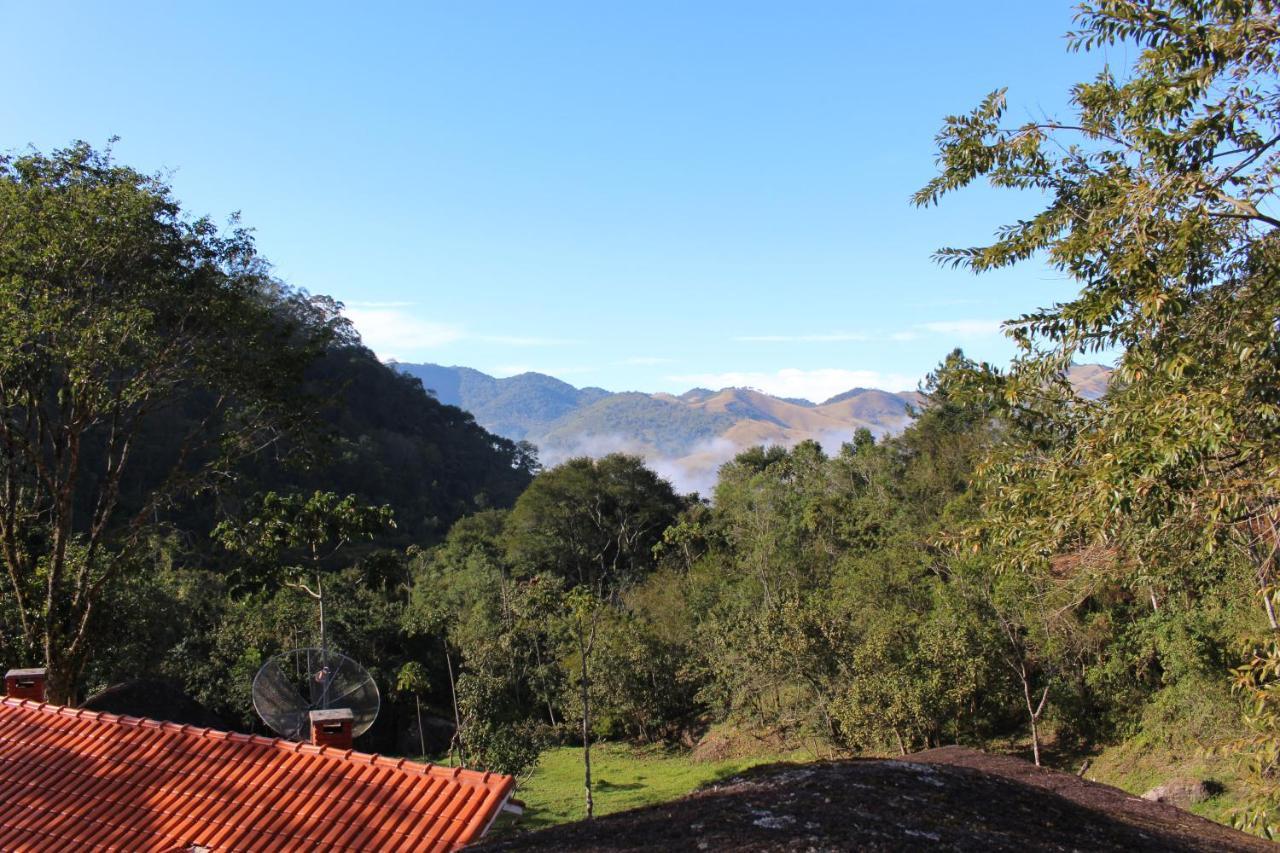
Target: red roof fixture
x=25 y=684
x=332 y=727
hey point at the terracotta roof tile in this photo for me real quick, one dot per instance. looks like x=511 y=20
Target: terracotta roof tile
x=80 y=779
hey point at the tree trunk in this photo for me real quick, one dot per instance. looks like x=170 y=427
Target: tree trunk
x=457 y=719
x=60 y=680
x=324 y=647
x=537 y=656
x=1271 y=610
x=422 y=734
x=1034 y=712
x=586 y=730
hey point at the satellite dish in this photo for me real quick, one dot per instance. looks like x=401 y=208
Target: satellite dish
x=291 y=685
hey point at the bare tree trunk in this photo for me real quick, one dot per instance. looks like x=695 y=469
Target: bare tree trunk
x=902 y=748
x=551 y=711
x=1034 y=712
x=422 y=734
x=586 y=728
x=324 y=646
x=457 y=718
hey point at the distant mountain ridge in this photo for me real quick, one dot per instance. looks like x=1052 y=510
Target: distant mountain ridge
x=685 y=437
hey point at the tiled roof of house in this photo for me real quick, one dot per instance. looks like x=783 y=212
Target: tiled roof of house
x=76 y=779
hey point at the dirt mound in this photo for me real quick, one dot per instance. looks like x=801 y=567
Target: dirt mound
x=724 y=744
x=947 y=799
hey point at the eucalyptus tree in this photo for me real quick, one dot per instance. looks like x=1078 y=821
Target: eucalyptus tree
x=143 y=353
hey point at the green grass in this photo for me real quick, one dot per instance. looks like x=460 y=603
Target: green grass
x=625 y=777
x=1179 y=728
x=1137 y=767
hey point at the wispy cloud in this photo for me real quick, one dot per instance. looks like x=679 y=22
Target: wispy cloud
x=943 y=303
x=646 y=361
x=503 y=371
x=835 y=337
x=816 y=385
x=388 y=330
x=522 y=341
x=954 y=328
x=363 y=304
x=965 y=328
x=695 y=471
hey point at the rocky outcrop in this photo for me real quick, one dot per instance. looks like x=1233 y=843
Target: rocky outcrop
x=1183 y=792
x=943 y=799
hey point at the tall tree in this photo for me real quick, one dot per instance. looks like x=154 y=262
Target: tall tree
x=118 y=311
x=298 y=534
x=594 y=523
x=1162 y=191
x=1159 y=190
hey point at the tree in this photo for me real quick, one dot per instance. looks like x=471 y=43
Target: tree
x=501 y=631
x=118 y=313
x=313 y=528
x=594 y=524
x=412 y=678
x=1158 y=209
x=1161 y=196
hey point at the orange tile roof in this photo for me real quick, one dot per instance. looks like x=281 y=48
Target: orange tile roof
x=74 y=779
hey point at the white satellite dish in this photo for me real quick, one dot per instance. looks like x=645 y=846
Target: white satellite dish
x=291 y=685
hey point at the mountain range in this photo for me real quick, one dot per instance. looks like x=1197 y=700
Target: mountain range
x=686 y=437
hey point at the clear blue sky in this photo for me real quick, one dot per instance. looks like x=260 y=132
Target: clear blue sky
x=633 y=195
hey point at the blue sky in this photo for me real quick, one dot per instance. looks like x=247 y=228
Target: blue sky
x=642 y=196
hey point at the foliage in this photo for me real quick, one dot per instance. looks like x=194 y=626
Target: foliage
x=1023 y=563
x=384 y=439
x=288 y=528
x=153 y=376
x=117 y=309
x=1159 y=205
x=1257 y=680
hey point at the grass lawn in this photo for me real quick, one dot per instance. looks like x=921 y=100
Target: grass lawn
x=625 y=777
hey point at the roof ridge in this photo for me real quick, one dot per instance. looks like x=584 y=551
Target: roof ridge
x=352 y=756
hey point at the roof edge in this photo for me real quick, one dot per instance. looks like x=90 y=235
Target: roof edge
x=501 y=784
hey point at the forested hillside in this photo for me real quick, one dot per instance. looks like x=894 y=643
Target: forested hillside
x=142 y=410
